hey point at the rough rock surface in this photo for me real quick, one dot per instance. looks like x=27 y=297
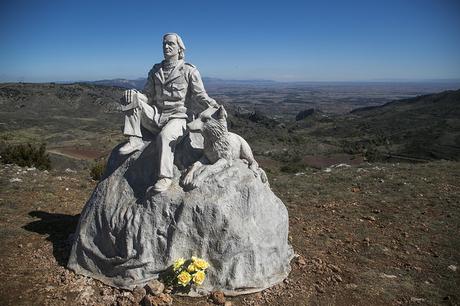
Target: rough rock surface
x=127 y=234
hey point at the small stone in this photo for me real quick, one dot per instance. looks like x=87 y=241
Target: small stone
x=146 y=301
x=351 y=286
x=370 y=218
x=319 y=289
x=161 y=299
x=258 y=296
x=383 y=275
x=417 y=300
x=334 y=268
x=218 y=297
x=139 y=293
x=154 y=287
x=452 y=268
x=228 y=303
x=165 y=298
x=337 y=278
x=301 y=261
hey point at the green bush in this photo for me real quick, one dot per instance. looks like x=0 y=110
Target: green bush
x=97 y=169
x=26 y=155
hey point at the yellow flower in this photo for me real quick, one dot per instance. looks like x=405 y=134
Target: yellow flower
x=192 y=268
x=184 y=278
x=178 y=263
x=199 y=277
x=199 y=263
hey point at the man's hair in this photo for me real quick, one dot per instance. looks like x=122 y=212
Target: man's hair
x=179 y=42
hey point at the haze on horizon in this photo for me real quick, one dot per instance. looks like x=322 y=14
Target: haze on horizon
x=285 y=41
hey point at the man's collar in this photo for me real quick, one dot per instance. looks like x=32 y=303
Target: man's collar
x=170 y=64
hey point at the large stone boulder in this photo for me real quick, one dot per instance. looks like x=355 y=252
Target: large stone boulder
x=127 y=234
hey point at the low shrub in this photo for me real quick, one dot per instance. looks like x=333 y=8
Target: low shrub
x=97 y=169
x=26 y=155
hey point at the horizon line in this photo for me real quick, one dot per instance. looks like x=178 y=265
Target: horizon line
x=375 y=80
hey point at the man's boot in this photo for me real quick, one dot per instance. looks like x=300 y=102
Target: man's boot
x=135 y=143
x=162 y=184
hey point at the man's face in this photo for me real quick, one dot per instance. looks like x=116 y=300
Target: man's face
x=170 y=47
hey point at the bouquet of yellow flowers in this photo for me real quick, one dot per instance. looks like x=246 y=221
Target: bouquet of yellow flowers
x=185 y=273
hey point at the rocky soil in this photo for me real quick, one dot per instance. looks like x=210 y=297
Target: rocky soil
x=370 y=234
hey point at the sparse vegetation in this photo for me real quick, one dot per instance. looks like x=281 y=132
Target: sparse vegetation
x=97 y=169
x=26 y=155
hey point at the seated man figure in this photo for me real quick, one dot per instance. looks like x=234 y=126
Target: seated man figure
x=171 y=86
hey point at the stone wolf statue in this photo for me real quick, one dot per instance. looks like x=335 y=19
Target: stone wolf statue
x=221 y=147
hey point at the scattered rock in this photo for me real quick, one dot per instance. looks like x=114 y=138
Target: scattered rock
x=139 y=293
x=168 y=289
x=319 y=289
x=370 y=218
x=417 y=300
x=351 y=286
x=15 y=179
x=337 y=278
x=301 y=261
x=154 y=287
x=334 y=268
x=341 y=166
x=383 y=275
x=218 y=297
x=355 y=189
x=452 y=268
x=159 y=300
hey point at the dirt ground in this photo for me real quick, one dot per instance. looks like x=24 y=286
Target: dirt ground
x=369 y=234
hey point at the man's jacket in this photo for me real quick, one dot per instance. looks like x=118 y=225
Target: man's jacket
x=172 y=96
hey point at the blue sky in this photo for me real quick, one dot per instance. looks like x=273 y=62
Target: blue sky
x=279 y=40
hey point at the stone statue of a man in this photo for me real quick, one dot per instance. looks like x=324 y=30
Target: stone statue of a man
x=171 y=86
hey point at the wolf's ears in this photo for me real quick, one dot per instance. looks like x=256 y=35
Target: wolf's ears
x=221 y=113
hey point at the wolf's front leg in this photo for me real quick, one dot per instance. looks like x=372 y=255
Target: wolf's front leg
x=210 y=170
x=189 y=177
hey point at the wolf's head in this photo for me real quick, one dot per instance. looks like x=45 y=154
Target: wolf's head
x=211 y=122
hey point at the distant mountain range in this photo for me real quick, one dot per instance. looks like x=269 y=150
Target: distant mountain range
x=124 y=83
x=140 y=82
